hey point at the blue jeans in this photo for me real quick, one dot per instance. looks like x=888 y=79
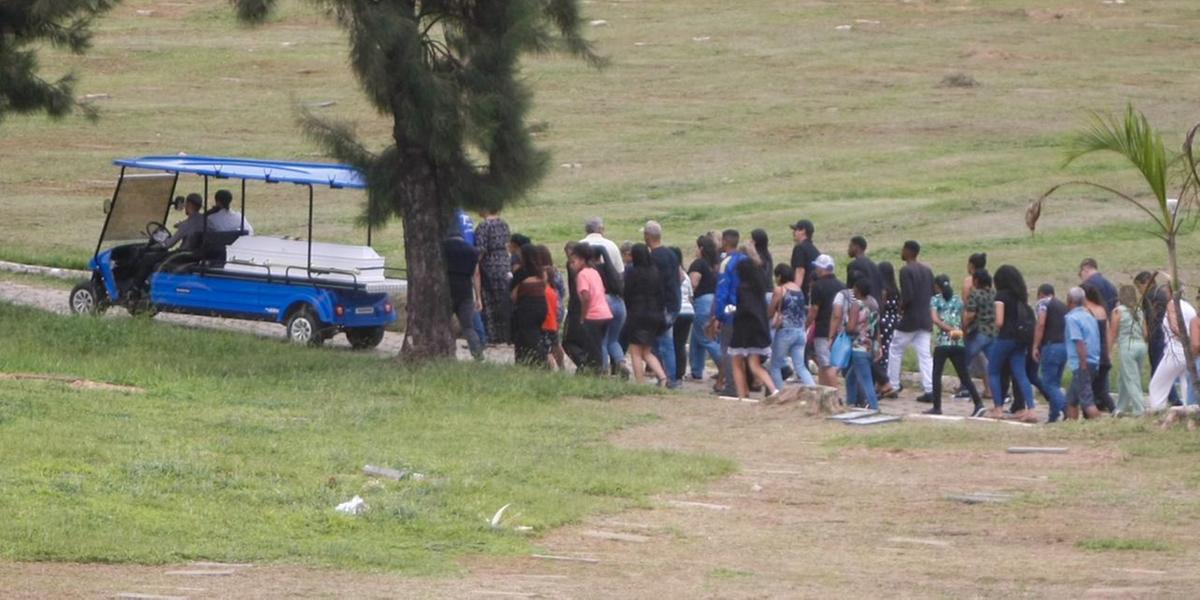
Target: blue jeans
x=976 y=344
x=789 y=342
x=858 y=380
x=611 y=345
x=665 y=349
x=1054 y=363
x=1008 y=351
x=477 y=325
x=699 y=342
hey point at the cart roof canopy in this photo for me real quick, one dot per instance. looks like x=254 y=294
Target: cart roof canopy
x=271 y=171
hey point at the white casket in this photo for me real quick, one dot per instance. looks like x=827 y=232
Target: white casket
x=342 y=263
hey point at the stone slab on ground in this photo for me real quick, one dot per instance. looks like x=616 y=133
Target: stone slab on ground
x=854 y=414
x=1035 y=450
x=878 y=419
x=559 y=557
x=981 y=498
x=615 y=536
x=690 y=504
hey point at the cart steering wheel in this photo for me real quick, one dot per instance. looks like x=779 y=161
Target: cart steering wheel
x=157 y=232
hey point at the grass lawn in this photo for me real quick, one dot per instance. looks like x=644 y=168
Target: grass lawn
x=712 y=115
x=239 y=449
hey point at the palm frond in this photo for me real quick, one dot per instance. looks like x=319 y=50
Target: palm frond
x=1132 y=138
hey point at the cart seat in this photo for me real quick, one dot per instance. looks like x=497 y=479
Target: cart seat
x=213 y=244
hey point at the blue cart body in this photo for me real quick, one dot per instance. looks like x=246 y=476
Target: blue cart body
x=204 y=286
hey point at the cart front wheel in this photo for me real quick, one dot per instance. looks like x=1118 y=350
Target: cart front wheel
x=85 y=299
x=364 y=338
x=303 y=328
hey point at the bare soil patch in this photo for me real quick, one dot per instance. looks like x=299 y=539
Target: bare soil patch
x=803 y=517
x=74 y=382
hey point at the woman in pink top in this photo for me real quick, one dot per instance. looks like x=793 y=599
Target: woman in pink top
x=593 y=303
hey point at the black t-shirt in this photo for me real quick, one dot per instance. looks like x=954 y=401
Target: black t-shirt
x=803 y=254
x=866 y=267
x=916 y=292
x=1009 y=330
x=824 y=290
x=461 y=259
x=668 y=271
x=1056 y=322
x=708 y=278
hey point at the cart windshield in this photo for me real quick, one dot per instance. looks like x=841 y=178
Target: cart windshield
x=140 y=199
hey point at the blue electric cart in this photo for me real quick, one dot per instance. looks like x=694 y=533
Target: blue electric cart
x=131 y=267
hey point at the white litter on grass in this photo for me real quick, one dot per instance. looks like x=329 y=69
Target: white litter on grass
x=496 y=518
x=598 y=23
x=844 y=27
x=702 y=38
x=355 y=506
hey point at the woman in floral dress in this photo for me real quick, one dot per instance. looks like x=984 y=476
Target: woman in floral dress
x=889 y=316
x=495 y=272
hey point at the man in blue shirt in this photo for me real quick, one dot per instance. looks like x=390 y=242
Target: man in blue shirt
x=1089 y=274
x=726 y=297
x=1083 y=356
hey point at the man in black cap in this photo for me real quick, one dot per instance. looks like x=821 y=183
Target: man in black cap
x=803 y=253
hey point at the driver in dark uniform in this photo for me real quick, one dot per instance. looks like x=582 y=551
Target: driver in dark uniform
x=188 y=230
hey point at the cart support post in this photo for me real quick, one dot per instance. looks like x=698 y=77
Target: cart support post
x=112 y=205
x=310 y=218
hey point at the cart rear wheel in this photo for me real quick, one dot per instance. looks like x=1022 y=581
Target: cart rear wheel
x=364 y=338
x=85 y=299
x=304 y=328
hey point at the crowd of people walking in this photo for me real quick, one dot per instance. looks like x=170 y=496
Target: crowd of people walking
x=762 y=324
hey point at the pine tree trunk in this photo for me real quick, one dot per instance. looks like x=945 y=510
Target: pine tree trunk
x=425 y=221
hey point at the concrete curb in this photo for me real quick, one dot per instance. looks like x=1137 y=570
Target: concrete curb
x=13 y=267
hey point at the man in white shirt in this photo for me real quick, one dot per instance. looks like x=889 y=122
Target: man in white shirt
x=595 y=237
x=223 y=219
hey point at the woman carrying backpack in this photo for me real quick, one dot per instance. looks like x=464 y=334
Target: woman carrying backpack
x=1014 y=335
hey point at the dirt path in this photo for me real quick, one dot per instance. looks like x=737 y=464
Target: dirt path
x=800 y=518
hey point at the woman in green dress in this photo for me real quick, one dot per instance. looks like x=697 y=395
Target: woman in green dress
x=1127 y=334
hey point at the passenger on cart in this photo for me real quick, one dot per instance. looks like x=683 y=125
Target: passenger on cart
x=222 y=218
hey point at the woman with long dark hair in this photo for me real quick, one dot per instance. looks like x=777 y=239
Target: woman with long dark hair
x=703 y=275
x=593 y=307
x=613 y=357
x=529 y=309
x=889 y=317
x=762 y=245
x=946 y=310
x=1008 y=349
x=646 y=317
x=1095 y=303
x=751 y=341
